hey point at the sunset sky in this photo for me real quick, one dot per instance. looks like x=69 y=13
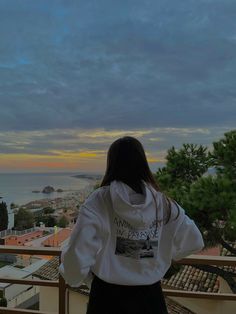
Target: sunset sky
x=76 y=75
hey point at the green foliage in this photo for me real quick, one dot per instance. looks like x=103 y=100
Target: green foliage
x=184 y=166
x=209 y=200
x=48 y=210
x=63 y=222
x=3 y=302
x=3 y=216
x=24 y=219
x=48 y=220
x=45 y=217
x=212 y=204
x=224 y=154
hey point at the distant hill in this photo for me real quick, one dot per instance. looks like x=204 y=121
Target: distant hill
x=88 y=176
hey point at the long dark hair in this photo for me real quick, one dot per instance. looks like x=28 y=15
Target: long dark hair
x=127 y=162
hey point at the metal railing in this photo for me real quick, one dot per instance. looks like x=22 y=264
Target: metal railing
x=60 y=284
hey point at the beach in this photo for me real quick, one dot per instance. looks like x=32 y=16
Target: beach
x=26 y=189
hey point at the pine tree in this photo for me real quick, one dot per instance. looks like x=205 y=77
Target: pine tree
x=209 y=200
x=3 y=216
x=224 y=155
x=24 y=219
x=212 y=204
x=183 y=167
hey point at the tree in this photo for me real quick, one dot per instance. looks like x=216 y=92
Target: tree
x=48 y=210
x=209 y=200
x=183 y=167
x=63 y=222
x=24 y=219
x=3 y=216
x=224 y=155
x=212 y=204
x=3 y=302
x=223 y=158
x=50 y=221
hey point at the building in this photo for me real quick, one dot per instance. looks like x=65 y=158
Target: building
x=19 y=295
x=21 y=239
x=11 y=219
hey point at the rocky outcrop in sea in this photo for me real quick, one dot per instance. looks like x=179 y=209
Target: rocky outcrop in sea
x=48 y=189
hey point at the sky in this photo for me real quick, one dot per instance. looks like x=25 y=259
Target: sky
x=77 y=75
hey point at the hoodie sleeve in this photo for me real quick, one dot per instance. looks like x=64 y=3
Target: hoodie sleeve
x=80 y=253
x=187 y=238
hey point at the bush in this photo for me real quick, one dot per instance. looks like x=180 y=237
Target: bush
x=3 y=302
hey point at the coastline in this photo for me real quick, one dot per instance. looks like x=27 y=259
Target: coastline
x=88 y=176
x=71 y=199
x=20 y=189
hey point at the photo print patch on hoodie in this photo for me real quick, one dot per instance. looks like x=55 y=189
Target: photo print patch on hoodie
x=135 y=243
x=135 y=221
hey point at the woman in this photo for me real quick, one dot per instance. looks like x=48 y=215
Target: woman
x=126 y=236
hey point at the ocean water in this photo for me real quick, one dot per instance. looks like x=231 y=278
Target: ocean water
x=17 y=188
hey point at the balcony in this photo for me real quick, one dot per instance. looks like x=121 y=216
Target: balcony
x=67 y=300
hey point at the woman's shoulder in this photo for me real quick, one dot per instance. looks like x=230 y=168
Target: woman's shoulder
x=99 y=192
x=96 y=197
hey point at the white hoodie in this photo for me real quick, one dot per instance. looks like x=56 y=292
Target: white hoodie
x=121 y=237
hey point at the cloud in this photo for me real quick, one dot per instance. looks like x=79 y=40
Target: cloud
x=94 y=141
x=77 y=75
x=73 y=149
x=133 y=65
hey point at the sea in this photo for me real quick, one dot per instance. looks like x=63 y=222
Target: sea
x=18 y=188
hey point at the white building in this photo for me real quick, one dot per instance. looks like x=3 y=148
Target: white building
x=11 y=219
x=18 y=294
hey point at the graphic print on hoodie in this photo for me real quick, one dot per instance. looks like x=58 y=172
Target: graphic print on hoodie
x=135 y=222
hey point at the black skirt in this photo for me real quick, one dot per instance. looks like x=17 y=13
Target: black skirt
x=107 y=298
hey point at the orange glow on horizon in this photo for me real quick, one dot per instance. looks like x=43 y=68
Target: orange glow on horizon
x=84 y=161
x=60 y=160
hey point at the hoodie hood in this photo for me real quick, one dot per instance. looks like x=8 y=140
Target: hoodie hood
x=137 y=209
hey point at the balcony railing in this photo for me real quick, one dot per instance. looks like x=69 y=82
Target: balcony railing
x=62 y=287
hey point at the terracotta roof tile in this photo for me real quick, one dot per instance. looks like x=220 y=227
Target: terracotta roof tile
x=49 y=271
x=225 y=252
x=192 y=279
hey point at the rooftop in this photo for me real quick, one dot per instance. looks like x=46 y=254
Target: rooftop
x=57 y=238
x=10 y=271
x=49 y=271
x=209 y=302
x=190 y=278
